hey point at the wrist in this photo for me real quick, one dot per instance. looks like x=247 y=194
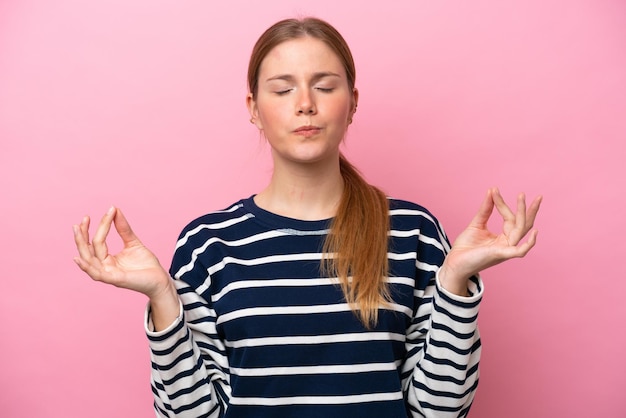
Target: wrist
x=164 y=294
x=164 y=307
x=453 y=282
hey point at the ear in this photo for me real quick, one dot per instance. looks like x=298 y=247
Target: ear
x=253 y=109
x=353 y=104
x=355 y=99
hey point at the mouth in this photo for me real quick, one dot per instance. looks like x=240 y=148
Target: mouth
x=308 y=130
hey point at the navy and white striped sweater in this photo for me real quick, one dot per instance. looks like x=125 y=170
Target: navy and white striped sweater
x=262 y=334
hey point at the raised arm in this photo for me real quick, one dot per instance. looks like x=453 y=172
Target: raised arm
x=187 y=380
x=443 y=341
x=135 y=267
x=477 y=248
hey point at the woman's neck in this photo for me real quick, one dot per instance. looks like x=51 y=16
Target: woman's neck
x=303 y=191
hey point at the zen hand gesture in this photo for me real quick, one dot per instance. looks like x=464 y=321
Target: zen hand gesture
x=135 y=267
x=477 y=248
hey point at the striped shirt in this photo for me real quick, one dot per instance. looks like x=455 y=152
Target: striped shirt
x=262 y=333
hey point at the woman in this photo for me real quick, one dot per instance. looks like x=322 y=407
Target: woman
x=319 y=296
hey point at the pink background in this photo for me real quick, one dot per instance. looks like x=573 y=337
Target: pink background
x=141 y=104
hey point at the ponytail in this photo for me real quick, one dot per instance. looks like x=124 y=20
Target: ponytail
x=356 y=245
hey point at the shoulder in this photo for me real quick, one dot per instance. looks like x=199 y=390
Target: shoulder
x=397 y=204
x=214 y=229
x=405 y=215
x=219 y=218
x=404 y=209
x=214 y=223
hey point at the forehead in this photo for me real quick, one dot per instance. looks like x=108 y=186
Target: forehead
x=300 y=56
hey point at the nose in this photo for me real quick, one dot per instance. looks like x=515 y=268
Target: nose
x=306 y=105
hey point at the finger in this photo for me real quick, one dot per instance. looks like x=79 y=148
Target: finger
x=99 y=240
x=523 y=249
x=532 y=211
x=485 y=210
x=92 y=271
x=517 y=233
x=502 y=207
x=84 y=228
x=124 y=230
x=525 y=219
x=81 y=238
x=85 y=260
x=521 y=210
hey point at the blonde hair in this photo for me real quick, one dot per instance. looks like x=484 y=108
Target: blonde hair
x=356 y=246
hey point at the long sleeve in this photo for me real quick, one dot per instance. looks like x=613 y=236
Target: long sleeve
x=189 y=365
x=190 y=371
x=440 y=373
x=444 y=359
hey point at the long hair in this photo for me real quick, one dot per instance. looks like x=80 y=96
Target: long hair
x=356 y=247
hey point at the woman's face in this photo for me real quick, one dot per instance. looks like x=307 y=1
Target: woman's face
x=304 y=103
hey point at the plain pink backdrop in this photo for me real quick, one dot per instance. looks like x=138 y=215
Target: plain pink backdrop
x=141 y=104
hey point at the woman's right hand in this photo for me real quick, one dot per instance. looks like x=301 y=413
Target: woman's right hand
x=135 y=267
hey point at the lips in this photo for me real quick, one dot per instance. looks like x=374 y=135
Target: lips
x=308 y=128
x=307 y=131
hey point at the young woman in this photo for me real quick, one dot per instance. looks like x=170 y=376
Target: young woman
x=318 y=296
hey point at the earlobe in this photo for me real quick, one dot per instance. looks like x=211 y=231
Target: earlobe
x=253 y=110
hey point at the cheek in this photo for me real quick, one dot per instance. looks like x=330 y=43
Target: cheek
x=340 y=109
x=272 y=112
x=340 y=104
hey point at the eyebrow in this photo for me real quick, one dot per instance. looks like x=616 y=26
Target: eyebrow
x=315 y=77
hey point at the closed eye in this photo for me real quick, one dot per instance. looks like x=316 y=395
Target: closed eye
x=282 y=92
x=325 y=90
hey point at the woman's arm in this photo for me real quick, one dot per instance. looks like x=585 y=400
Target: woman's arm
x=187 y=359
x=189 y=363
x=135 y=267
x=477 y=248
x=443 y=343
x=443 y=346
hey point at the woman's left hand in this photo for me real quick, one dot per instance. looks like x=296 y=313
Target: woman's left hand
x=477 y=248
